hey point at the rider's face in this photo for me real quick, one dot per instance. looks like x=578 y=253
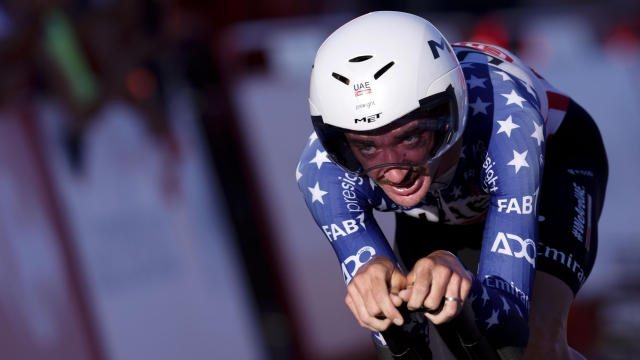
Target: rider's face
x=399 y=142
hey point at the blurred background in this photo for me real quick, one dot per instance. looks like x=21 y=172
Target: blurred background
x=148 y=204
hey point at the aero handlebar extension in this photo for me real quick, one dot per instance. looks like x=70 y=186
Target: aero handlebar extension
x=475 y=344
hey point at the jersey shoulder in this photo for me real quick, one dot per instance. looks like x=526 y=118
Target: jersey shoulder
x=553 y=102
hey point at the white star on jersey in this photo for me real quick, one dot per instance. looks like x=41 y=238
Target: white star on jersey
x=538 y=134
x=298 y=173
x=513 y=98
x=373 y=183
x=484 y=296
x=493 y=320
x=312 y=138
x=474 y=81
x=472 y=297
x=321 y=157
x=456 y=192
x=505 y=76
x=462 y=156
x=506 y=306
x=317 y=194
x=382 y=206
x=519 y=160
x=479 y=106
x=506 y=126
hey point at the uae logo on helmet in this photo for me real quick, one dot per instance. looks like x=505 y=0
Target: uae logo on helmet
x=362 y=88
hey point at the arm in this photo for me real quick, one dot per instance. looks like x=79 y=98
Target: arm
x=511 y=172
x=341 y=205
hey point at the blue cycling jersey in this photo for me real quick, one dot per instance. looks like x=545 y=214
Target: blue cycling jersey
x=497 y=179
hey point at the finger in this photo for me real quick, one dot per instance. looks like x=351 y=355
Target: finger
x=420 y=289
x=451 y=307
x=368 y=296
x=381 y=295
x=396 y=300
x=465 y=286
x=441 y=277
x=398 y=282
x=453 y=302
x=367 y=321
x=405 y=294
x=354 y=304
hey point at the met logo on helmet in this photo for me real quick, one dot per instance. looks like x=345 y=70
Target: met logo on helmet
x=368 y=119
x=435 y=46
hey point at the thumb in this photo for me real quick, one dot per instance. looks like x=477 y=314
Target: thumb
x=406 y=290
x=397 y=282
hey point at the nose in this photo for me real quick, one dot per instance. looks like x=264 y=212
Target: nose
x=396 y=174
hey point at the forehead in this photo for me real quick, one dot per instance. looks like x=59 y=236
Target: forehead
x=397 y=127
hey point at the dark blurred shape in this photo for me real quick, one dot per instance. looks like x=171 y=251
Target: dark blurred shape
x=242 y=198
x=73 y=145
x=478 y=7
x=255 y=60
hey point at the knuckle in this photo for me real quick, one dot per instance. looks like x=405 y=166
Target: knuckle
x=348 y=300
x=376 y=268
x=352 y=290
x=444 y=270
x=425 y=263
x=414 y=304
x=373 y=311
x=380 y=298
x=359 y=279
x=364 y=317
x=420 y=287
x=431 y=303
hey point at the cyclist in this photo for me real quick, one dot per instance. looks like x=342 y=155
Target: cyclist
x=471 y=149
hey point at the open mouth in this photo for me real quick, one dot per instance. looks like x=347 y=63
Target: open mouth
x=411 y=184
x=406 y=187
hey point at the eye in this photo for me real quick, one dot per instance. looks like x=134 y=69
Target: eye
x=410 y=139
x=367 y=149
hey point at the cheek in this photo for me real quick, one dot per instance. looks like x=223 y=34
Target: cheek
x=417 y=153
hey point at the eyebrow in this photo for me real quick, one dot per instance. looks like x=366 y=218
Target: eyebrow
x=412 y=131
x=408 y=132
x=362 y=142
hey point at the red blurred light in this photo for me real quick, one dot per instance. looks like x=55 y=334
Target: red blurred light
x=622 y=45
x=141 y=83
x=490 y=30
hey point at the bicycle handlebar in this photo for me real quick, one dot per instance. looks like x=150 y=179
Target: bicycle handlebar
x=476 y=345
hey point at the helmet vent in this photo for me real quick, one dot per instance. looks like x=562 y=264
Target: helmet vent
x=383 y=70
x=361 y=58
x=341 y=78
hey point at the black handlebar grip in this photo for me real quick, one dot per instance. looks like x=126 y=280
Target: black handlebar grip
x=400 y=344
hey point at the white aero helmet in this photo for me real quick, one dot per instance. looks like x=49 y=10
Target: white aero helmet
x=379 y=68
